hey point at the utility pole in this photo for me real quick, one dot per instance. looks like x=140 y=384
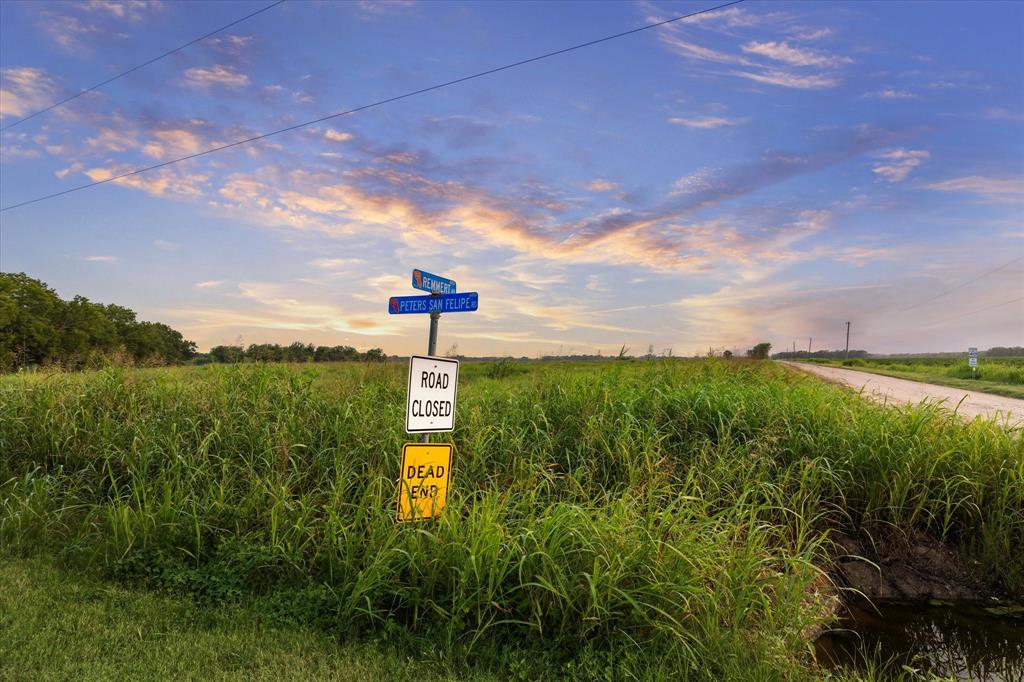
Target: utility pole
x=794 y=346
x=847 y=356
x=809 y=339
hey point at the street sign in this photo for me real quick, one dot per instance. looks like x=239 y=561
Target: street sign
x=433 y=383
x=972 y=357
x=445 y=303
x=427 y=282
x=423 y=482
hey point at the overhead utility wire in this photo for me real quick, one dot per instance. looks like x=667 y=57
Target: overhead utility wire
x=139 y=66
x=378 y=103
x=963 y=284
x=994 y=270
x=974 y=312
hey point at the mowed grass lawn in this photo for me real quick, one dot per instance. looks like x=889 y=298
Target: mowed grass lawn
x=58 y=625
x=999 y=376
x=618 y=520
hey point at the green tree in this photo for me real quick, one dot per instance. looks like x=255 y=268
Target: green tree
x=37 y=327
x=29 y=311
x=760 y=351
x=227 y=354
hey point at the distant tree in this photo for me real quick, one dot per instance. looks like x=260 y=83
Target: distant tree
x=227 y=354
x=29 y=314
x=727 y=354
x=1004 y=352
x=37 y=327
x=760 y=351
x=375 y=355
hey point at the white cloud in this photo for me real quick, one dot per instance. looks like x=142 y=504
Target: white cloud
x=891 y=93
x=1001 y=114
x=601 y=186
x=706 y=122
x=166 y=143
x=24 y=90
x=790 y=80
x=998 y=188
x=814 y=33
x=16 y=152
x=216 y=75
x=899 y=162
x=100 y=259
x=166 y=245
x=335 y=263
x=337 y=135
x=164 y=182
x=795 y=56
x=133 y=10
x=731 y=17
x=698 y=181
x=209 y=284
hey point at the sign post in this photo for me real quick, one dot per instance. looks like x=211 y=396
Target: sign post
x=972 y=360
x=433 y=384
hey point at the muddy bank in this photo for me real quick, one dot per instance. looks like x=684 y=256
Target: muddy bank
x=914 y=569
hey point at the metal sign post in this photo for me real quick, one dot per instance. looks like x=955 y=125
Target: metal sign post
x=431 y=350
x=430 y=401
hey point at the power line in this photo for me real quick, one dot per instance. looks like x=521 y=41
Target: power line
x=889 y=305
x=378 y=103
x=963 y=284
x=974 y=312
x=145 y=63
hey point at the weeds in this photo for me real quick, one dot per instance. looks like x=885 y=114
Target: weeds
x=674 y=508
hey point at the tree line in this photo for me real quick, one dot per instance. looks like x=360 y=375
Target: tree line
x=38 y=327
x=821 y=354
x=294 y=352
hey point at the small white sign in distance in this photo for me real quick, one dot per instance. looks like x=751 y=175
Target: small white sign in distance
x=972 y=357
x=433 y=384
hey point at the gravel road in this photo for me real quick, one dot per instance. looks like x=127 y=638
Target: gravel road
x=892 y=390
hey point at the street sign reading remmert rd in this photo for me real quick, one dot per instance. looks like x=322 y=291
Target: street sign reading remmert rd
x=444 y=303
x=433 y=384
x=433 y=283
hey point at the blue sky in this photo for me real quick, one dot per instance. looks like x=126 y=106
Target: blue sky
x=765 y=172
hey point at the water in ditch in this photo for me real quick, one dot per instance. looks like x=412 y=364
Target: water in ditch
x=955 y=641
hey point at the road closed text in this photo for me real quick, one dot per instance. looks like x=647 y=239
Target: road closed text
x=431 y=408
x=433 y=384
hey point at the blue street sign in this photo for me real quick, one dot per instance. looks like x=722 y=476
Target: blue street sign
x=432 y=283
x=445 y=303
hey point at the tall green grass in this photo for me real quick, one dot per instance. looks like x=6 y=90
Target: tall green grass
x=673 y=512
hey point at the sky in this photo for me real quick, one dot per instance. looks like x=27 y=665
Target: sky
x=766 y=172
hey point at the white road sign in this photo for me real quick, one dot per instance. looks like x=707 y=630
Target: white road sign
x=972 y=357
x=433 y=383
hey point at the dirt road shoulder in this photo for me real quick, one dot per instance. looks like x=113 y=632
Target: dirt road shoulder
x=969 y=404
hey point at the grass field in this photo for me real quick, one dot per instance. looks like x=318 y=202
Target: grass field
x=56 y=625
x=636 y=519
x=1001 y=376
